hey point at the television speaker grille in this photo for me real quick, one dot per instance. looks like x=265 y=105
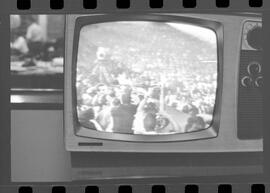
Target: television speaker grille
x=250 y=96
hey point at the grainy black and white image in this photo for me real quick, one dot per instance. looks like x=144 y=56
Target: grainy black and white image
x=37 y=51
x=135 y=96
x=147 y=78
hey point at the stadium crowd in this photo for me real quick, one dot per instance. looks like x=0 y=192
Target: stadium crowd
x=160 y=100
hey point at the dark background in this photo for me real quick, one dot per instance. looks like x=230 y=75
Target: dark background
x=8 y=7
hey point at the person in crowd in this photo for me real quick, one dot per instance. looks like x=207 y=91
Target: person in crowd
x=123 y=115
x=103 y=66
x=104 y=115
x=145 y=118
x=195 y=122
x=35 y=37
x=150 y=123
x=86 y=116
x=162 y=122
x=189 y=99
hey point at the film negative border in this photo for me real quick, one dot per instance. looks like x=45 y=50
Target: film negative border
x=137 y=188
x=125 y=4
x=88 y=5
x=66 y=5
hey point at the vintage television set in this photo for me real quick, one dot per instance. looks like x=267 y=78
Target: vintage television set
x=163 y=94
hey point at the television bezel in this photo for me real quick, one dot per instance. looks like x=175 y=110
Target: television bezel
x=210 y=132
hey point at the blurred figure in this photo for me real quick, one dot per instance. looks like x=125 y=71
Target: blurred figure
x=145 y=118
x=103 y=66
x=104 y=116
x=35 y=38
x=19 y=46
x=18 y=43
x=34 y=33
x=123 y=115
x=195 y=122
x=86 y=116
x=150 y=122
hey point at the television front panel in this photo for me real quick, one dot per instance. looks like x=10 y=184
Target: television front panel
x=154 y=83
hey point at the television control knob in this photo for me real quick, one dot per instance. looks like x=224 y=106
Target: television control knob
x=254 y=68
x=246 y=81
x=259 y=81
x=254 y=37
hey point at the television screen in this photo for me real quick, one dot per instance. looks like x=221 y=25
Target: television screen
x=146 y=78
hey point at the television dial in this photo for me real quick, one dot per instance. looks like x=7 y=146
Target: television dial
x=254 y=68
x=258 y=81
x=246 y=81
x=252 y=35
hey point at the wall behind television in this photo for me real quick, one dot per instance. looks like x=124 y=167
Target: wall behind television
x=37 y=146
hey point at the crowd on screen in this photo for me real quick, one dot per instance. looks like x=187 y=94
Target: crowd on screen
x=113 y=98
